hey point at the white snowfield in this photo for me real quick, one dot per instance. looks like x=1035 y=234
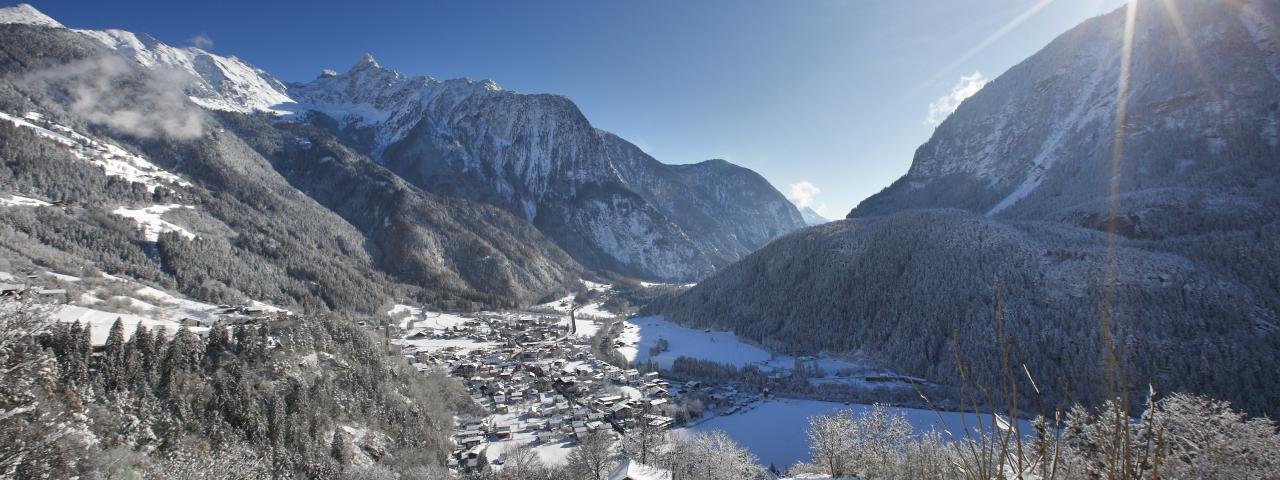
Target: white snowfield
x=170 y=307
x=101 y=321
x=19 y=201
x=412 y=317
x=114 y=161
x=137 y=305
x=593 y=310
x=642 y=333
x=26 y=14
x=151 y=220
x=774 y=430
x=220 y=83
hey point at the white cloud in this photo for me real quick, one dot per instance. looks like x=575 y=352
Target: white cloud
x=804 y=194
x=202 y=41
x=159 y=108
x=944 y=105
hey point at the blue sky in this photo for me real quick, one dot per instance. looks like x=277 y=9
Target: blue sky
x=835 y=93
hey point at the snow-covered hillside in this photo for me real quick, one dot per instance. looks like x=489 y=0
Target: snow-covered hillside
x=600 y=198
x=1044 y=140
x=113 y=160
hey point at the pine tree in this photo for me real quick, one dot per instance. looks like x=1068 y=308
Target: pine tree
x=113 y=355
x=338 y=448
x=218 y=344
x=142 y=347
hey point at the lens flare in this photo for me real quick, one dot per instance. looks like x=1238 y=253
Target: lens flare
x=1110 y=329
x=966 y=56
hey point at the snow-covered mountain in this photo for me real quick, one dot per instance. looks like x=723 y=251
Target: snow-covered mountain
x=599 y=197
x=1038 y=142
x=1013 y=194
x=215 y=82
x=233 y=205
x=811 y=217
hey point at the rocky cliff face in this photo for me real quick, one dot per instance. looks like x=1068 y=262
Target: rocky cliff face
x=606 y=202
x=1038 y=142
x=271 y=209
x=537 y=157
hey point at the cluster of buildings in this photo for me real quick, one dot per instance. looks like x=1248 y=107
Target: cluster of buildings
x=537 y=383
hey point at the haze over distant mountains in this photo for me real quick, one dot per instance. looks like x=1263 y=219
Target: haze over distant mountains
x=1015 y=189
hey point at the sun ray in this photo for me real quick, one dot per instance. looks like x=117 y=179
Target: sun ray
x=1109 y=327
x=1184 y=36
x=966 y=56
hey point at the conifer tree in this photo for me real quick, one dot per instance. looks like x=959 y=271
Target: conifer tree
x=113 y=354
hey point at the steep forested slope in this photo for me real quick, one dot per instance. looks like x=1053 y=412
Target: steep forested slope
x=910 y=290
x=1182 y=260
x=270 y=202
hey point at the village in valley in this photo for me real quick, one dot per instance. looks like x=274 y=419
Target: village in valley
x=547 y=376
x=542 y=378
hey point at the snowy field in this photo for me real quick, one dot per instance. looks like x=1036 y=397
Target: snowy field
x=594 y=310
x=151 y=220
x=642 y=333
x=100 y=322
x=775 y=430
x=414 y=317
x=19 y=201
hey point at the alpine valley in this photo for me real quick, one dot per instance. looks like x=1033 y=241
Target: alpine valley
x=207 y=272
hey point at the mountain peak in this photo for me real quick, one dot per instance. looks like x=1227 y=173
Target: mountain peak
x=812 y=217
x=26 y=14
x=366 y=62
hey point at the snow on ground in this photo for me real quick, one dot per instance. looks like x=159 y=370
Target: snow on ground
x=101 y=321
x=439 y=320
x=586 y=327
x=722 y=347
x=175 y=308
x=18 y=201
x=26 y=14
x=267 y=307
x=775 y=430
x=630 y=392
x=114 y=161
x=415 y=317
x=553 y=453
x=642 y=333
x=152 y=222
x=594 y=310
x=461 y=344
x=656 y=284
x=64 y=278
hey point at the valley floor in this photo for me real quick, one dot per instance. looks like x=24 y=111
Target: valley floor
x=541 y=386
